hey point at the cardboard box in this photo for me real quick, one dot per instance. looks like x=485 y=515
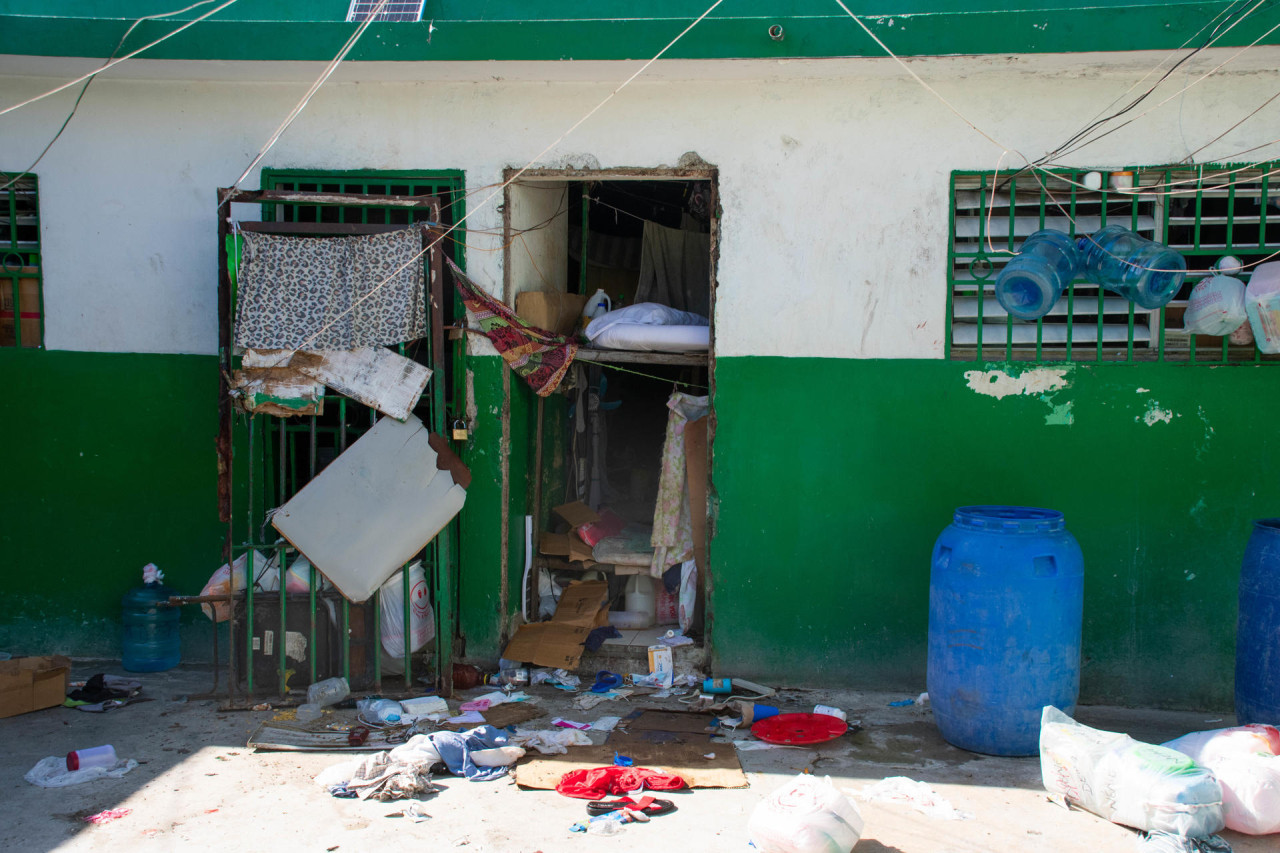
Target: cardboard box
x=558 y=643
x=31 y=683
x=556 y=312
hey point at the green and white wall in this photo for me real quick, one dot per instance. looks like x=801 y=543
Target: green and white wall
x=843 y=440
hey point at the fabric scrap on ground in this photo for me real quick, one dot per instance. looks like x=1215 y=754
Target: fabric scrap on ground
x=52 y=772
x=909 y=792
x=596 y=782
x=107 y=816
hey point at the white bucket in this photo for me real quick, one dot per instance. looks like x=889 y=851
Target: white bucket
x=642 y=598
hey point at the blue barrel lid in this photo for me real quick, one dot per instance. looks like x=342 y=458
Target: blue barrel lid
x=1268 y=523
x=1010 y=519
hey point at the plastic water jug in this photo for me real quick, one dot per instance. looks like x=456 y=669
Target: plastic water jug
x=1031 y=283
x=1146 y=273
x=1262 y=304
x=641 y=598
x=598 y=305
x=150 y=641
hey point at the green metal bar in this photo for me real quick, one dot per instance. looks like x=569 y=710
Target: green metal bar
x=582 y=245
x=1071 y=288
x=951 y=265
x=248 y=570
x=1262 y=204
x=1102 y=295
x=981 y=284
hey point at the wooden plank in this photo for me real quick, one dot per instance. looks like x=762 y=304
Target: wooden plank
x=319 y=228
x=375 y=376
x=609 y=356
x=255 y=196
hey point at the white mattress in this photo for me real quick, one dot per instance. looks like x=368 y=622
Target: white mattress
x=640 y=336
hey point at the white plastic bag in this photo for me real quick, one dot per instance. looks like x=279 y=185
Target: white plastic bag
x=1216 y=306
x=1126 y=781
x=1246 y=760
x=806 y=815
x=266 y=573
x=52 y=772
x=422 y=619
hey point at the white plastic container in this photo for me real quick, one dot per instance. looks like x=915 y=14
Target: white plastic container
x=1262 y=304
x=307 y=712
x=1216 y=306
x=328 y=692
x=642 y=598
x=94 y=756
x=597 y=306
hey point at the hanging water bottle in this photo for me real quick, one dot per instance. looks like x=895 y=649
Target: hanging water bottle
x=150 y=628
x=1030 y=284
x=1129 y=264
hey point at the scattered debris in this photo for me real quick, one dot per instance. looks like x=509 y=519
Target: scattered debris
x=52 y=772
x=807 y=815
x=107 y=816
x=909 y=792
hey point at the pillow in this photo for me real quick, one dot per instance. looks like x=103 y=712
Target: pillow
x=644 y=314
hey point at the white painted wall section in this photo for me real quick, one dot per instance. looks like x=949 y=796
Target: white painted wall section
x=833 y=174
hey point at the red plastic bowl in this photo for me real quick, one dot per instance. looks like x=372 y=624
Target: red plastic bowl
x=799 y=729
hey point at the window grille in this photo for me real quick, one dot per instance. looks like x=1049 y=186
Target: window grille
x=21 y=301
x=1202 y=212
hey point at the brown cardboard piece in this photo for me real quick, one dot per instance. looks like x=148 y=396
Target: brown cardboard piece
x=687 y=760
x=576 y=513
x=31 y=683
x=565 y=545
x=558 y=643
x=551 y=310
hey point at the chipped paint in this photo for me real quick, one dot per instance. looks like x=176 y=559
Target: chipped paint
x=1059 y=415
x=999 y=384
x=1155 y=415
x=1142 y=390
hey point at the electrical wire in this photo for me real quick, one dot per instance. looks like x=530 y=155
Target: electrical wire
x=87 y=83
x=288 y=353
x=129 y=55
x=1192 y=155
x=306 y=99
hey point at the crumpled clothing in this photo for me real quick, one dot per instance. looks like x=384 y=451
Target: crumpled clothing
x=596 y=782
x=551 y=741
x=1167 y=842
x=380 y=777
x=455 y=750
x=103 y=692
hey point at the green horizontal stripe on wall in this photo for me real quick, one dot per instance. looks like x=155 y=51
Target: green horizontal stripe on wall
x=834 y=478
x=557 y=31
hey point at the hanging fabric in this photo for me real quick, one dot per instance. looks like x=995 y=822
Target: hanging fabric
x=675 y=269
x=672 y=523
x=536 y=355
x=330 y=293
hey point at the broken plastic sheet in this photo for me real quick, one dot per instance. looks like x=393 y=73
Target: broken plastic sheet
x=375 y=506
x=52 y=772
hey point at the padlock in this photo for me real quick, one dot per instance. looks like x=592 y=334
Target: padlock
x=459 y=430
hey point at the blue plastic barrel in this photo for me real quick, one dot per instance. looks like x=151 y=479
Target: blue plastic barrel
x=1006 y=600
x=1258 y=627
x=150 y=631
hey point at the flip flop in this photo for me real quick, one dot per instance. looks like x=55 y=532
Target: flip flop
x=650 y=806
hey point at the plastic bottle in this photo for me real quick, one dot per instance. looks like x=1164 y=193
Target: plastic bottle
x=150 y=638
x=328 y=692
x=1146 y=273
x=598 y=305
x=642 y=600
x=1032 y=282
x=96 y=756
x=380 y=710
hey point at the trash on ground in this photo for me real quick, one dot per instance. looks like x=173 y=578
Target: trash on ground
x=605 y=724
x=107 y=816
x=902 y=703
x=830 y=712
x=1246 y=762
x=683 y=759
x=52 y=772
x=94 y=756
x=551 y=741
x=570 y=724
x=330 y=691
x=31 y=683
x=806 y=815
x=909 y=792
x=1168 y=842
x=675 y=638
x=1125 y=781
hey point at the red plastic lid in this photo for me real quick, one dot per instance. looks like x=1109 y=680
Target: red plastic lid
x=799 y=728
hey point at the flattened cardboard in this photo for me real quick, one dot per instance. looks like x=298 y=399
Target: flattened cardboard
x=554 y=544
x=31 y=683
x=512 y=714
x=576 y=513
x=670 y=721
x=558 y=643
x=543 y=772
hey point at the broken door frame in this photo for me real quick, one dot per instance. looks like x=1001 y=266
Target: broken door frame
x=444 y=583
x=708 y=173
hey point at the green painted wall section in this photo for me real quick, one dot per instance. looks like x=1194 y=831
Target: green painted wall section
x=110 y=465
x=828 y=513
x=562 y=30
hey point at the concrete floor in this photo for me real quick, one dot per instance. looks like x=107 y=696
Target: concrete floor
x=199 y=787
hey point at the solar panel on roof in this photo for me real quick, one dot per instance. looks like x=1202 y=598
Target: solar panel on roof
x=395 y=10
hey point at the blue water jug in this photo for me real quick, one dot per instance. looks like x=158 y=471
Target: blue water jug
x=150 y=640
x=1258 y=627
x=1006 y=601
x=1031 y=283
x=1146 y=273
